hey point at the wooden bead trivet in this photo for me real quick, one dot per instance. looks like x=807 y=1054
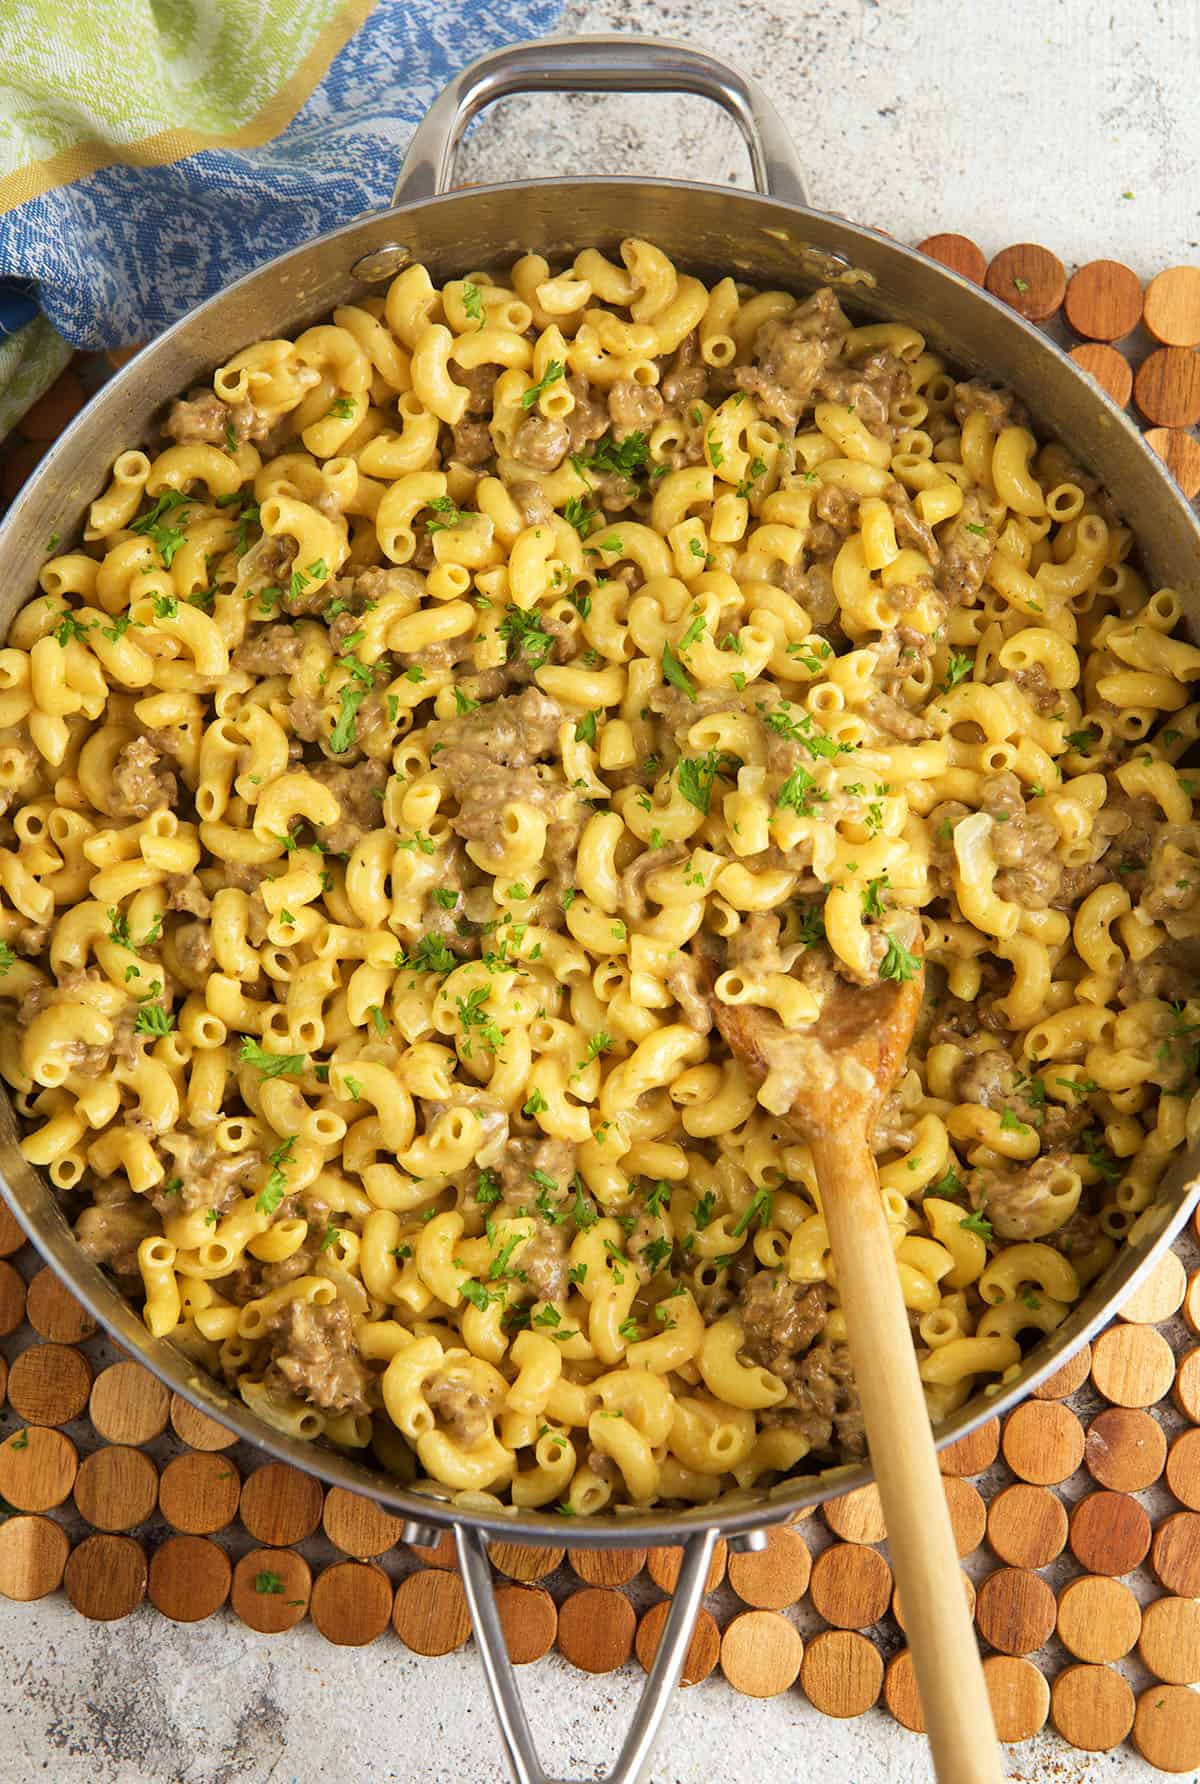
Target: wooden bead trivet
x=189 y=1578
x=703 y=1649
x=33 y=1553
x=1098 y=1618
x=49 y=1384
x=761 y=1653
x=271 y=1589
x=1015 y=1610
x=359 y=1526
x=1027 y=1526
x=1125 y=1449
x=529 y=1619
x=1129 y=1444
x=351 y=1603
x=430 y=1612
x=663 y=1567
x=198 y=1493
x=1109 y=1533
x=106 y=1578
x=776 y=1576
x=968 y=1586
x=609 y=1567
x=128 y=1404
x=53 y=1311
x=596 y=1629
x=1166 y=1728
x=281 y=1506
x=900 y=1694
x=1092 y=1707
x=841 y=1673
x=116 y=1488
x=1103 y=301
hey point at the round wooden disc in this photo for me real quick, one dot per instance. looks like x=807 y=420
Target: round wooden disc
x=1020 y=1696
x=1027 y=1526
x=1185 y=1392
x=1180 y=452
x=703 y=1649
x=1183 y=1469
x=49 y=1384
x=1109 y=1533
x=116 y=1487
x=1172 y=306
x=595 y=1629
x=1072 y=1374
x=959 y=253
x=529 y=1620
x=358 y=1526
x=271 y=1589
x=1166 y=387
x=663 y=1567
x=12 y=1234
x=37 y=1468
x=851 y=1585
x=1132 y=1365
x=1125 y=1449
x=33 y=1553
x=1191 y=1298
x=972 y=1453
x=776 y=1576
x=196 y=1429
x=430 y=1613
x=128 y=1404
x=106 y=1577
x=1029 y=278
x=1159 y=1295
x=1015 y=1610
x=280 y=1505
x=522 y=1561
x=968 y=1593
x=968 y=1513
x=1091 y=1707
x=1176 y=1553
x=900 y=1692
x=1098 y=1618
x=856 y=1516
x=1111 y=370
x=841 y=1673
x=351 y=1603
x=1170 y=1640
x=1166 y=1728
x=189 y=1578
x=607 y=1567
x=441 y=1553
x=199 y=1493
x=54 y=1313
x=761 y=1653
x=1104 y=300
x=1043 y=1441
x=12 y=1299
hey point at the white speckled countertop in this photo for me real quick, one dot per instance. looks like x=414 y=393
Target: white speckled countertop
x=1051 y=120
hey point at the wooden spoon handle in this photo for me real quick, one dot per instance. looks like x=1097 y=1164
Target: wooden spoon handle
x=950 y=1679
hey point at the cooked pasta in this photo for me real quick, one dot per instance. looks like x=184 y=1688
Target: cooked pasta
x=462 y=700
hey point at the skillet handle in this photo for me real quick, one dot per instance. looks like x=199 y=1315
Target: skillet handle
x=603 y=63
x=519 y=1750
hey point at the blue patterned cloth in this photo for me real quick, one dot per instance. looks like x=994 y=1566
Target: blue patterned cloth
x=120 y=253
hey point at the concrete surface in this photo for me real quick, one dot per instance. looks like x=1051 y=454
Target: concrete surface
x=1065 y=123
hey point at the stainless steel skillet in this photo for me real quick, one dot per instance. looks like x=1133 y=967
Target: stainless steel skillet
x=772 y=239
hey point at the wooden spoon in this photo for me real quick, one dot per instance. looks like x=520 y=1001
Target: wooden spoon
x=830 y=1082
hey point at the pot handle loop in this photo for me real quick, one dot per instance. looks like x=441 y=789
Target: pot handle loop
x=602 y=63
x=519 y=1750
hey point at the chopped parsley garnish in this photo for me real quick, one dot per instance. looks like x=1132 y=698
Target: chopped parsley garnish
x=341 y=410
x=472 y=1016
x=582 y=1212
x=477 y=1295
x=947 y=1186
x=759 y=1209
x=897 y=962
x=625 y=458
x=151 y=1017
x=1010 y=1124
x=656 y=1253
x=579 y=515
x=166 y=538
x=524 y=632
x=975 y=1223
x=554 y=371
x=473 y=302
x=812 y=924
x=1082 y=740
x=695 y=776
x=449 y=515
x=957 y=669
x=872 y=898
x=705 y=1209
x=268 y=1582
x=799 y=792
x=658 y=1197
x=799 y=729
x=535 y=1104
x=585 y=729
x=674 y=672
x=271 y=1065
x=343 y=733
